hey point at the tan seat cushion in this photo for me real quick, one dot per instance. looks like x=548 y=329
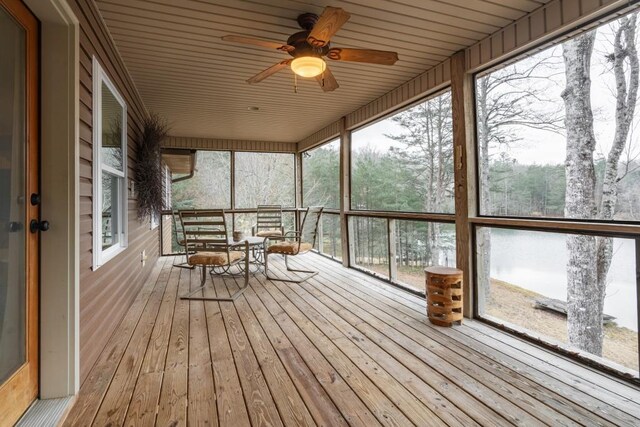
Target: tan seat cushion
x=214 y=258
x=289 y=248
x=269 y=233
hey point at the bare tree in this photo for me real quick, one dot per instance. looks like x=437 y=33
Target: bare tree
x=590 y=257
x=503 y=100
x=427 y=151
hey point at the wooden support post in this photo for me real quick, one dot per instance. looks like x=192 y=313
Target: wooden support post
x=391 y=240
x=319 y=238
x=345 y=193
x=232 y=184
x=464 y=170
x=638 y=282
x=298 y=180
x=298 y=189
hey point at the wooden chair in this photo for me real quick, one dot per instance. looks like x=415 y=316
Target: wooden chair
x=207 y=244
x=268 y=222
x=295 y=243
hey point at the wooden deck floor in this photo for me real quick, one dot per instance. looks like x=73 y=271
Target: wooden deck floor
x=341 y=349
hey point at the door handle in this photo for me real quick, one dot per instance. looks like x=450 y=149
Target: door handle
x=35 y=225
x=35 y=199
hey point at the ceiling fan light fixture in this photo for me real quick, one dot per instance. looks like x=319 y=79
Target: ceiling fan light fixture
x=308 y=66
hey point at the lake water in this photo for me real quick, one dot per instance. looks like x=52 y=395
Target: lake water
x=537 y=261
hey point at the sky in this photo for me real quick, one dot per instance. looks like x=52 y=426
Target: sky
x=537 y=146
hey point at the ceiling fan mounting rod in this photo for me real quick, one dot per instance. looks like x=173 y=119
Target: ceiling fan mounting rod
x=307 y=20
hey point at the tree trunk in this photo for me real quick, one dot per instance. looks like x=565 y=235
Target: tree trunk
x=584 y=312
x=624 y=47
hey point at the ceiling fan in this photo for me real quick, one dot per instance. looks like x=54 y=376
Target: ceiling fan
x=309 y=46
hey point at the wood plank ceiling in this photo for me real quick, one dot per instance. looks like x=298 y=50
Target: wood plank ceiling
x=186 y=73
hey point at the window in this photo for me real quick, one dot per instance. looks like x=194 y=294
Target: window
x=329 y=240
x=369 y=240
x=528 y=282
x=210 y=186
x=264 y=179
x=420 y=244
x=543 y=152
x=109 y=169
x=321 y=176
x=405 y=162
x=556 y=140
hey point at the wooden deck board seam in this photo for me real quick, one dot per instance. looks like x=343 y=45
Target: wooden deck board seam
x=148 y=339
x=284 y=362
x=384 y=290
x=250 y=358
x=147 y=287
x=213 y=308
x=454 y=405
x=393 y=400
x=317 y=287
x=476 y=325
x=339 y=404
x=157 y=403
x=262 y=367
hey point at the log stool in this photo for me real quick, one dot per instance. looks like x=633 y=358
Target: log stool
x=444 y=295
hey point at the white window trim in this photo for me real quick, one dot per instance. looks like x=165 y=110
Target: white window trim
x=101 y=257
x=154 y=221
x=167 y=187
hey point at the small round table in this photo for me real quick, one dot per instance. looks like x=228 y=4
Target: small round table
x=255 y=244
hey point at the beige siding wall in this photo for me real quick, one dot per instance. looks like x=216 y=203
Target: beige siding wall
x=107 y=293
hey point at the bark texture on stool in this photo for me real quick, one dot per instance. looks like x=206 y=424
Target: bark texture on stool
x=444 y=295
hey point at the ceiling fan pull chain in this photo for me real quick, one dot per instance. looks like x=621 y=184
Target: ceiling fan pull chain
x=295 y=83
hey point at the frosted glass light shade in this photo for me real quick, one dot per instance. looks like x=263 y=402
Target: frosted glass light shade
x=308 y=66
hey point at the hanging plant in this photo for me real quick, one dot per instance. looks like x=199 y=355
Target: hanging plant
x=148 y=174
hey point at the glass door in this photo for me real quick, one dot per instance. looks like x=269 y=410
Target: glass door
x=18 y=182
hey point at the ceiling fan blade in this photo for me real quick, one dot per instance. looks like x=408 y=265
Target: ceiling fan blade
x=370 y=56
x=331 y=20
x=269 y=71
x=327 y=81
x=258 y=42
